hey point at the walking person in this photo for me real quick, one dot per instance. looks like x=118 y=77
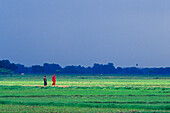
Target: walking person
x=45 y=80
x=54 y=80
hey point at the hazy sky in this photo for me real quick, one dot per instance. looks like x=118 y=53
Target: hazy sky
x=83 y=32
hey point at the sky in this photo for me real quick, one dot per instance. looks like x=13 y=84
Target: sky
x=84 y=32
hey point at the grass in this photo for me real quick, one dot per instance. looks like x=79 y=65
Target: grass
x=85 y=94
x=119 y=81
x=66 y=109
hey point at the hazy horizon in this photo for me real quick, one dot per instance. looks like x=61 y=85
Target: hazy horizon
x=73 y=32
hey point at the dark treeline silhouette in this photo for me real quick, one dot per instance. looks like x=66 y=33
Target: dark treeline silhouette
x=109 y=68
x=7 y=68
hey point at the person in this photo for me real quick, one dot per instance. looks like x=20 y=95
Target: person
x=54 y=80
x=45 y=80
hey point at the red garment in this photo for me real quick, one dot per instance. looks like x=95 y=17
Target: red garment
x=53 y=83
x=53 y=79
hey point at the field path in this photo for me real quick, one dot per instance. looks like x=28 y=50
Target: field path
x=43 y=86
x=86 y=86
x=37 y=85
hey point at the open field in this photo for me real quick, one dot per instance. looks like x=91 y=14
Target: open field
x=85 y=94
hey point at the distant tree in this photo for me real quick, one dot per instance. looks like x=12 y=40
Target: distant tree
x=97 y=69
x=150 y=71
x=37 y=69
x=6 y=71
x=132 y=70
x=2 y=64
x=80 y=69
x=20 y=69
x=109 y=69
x=119 y=70
x=70 y=70
x=13 y=67
x=51 y=68
x=58 y=71
x=104 y=69
x=7 y=67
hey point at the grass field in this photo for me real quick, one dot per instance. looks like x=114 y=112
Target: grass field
x=85 y=94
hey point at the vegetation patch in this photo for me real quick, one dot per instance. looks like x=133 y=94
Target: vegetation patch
x=113 y=96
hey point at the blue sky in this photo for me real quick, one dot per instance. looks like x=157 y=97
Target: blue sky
x=83 y=32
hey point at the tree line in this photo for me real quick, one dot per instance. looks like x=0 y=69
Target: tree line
x=6 y=67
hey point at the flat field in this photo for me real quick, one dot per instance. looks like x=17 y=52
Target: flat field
x=79 y=93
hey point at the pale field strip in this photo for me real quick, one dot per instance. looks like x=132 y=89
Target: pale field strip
x=165 y=83
x=116 y=86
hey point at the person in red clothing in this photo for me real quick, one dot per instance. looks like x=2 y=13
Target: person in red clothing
x=54 y=80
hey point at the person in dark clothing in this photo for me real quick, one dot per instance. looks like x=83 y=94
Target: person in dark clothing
x=45 y=80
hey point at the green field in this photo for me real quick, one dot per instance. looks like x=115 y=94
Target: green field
x=85 y=94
